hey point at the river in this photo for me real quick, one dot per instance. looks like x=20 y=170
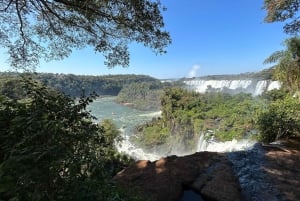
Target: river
x=126 y=119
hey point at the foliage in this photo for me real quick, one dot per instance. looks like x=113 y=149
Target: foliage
x=280 y=120
x=77 y=85
x=11 y=88
x=275 y=94
x=283 y=11
x=185 y=114
x=142 y=95
x=154 y=135
x=287 y=69
x=50 y=149
x=52 y=29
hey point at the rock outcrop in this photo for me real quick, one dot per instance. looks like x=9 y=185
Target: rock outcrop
x=207 y=173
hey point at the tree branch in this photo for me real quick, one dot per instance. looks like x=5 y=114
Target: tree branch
x=8 y=5
x=19 y=10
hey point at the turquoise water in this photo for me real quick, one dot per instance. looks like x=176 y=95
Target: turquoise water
x=122 y=116
x=126 y=119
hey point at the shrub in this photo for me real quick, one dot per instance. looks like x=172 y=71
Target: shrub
x=280 y=120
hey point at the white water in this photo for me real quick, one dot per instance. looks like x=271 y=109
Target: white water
x=125 y=146
x=227 y=146
x=274 y=85
x=233 y=86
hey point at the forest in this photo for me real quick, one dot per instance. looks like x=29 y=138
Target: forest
x=76 y=85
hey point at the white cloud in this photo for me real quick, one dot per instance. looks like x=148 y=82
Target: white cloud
x=194 y=71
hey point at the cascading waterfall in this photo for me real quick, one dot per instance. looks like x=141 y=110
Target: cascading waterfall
x=125 y=146
x=205 y=144
x=255 y=87
x=202 y=143
x=260 y=87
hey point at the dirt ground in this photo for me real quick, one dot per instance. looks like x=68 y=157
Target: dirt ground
x=283 y=167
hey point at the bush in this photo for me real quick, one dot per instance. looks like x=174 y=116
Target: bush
x=280 y=120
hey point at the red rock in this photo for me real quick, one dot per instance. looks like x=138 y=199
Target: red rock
x=208 y=173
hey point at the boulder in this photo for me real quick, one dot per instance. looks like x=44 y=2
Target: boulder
x=207 y=173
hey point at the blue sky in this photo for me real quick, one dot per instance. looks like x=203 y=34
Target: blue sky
x=208 y=37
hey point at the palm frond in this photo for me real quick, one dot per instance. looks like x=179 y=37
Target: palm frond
x=275 y=57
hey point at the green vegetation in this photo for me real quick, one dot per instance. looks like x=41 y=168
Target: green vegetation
x=280 y=120
x=287 y=69
x=76 y=85
x=142 y=95
x=32 y=30
x=283 y=11
x=50 y=149
x=185 y=114
x=274 y=115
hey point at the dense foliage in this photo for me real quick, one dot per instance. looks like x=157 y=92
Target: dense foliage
x=50 y=149
x=186 y=114
x=283 y=11
x=280 y=120
x=142 y=95
x=31 y=30
x=76 y=85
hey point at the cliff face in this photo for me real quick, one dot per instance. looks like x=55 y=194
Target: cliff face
x=255 y=87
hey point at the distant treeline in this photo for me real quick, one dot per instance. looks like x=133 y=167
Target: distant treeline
x=77 y=85
x=266 y=74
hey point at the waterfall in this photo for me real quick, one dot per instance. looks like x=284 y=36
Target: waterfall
x=255 y=87
x=202 y=143
x=274 y=85
x=227 y=146
x=261 y=86
x=126 y=147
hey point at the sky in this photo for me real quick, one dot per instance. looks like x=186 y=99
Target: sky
x=209 y=37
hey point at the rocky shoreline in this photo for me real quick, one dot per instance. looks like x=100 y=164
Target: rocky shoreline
x=267 y=173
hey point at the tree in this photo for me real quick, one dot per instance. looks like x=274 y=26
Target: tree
x=51 y=29
x=283 y=10
x=288 y=64
x=50 y=149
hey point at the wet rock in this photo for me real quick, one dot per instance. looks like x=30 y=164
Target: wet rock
x=222 y=185
x=249 y=169
x=208 y=173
